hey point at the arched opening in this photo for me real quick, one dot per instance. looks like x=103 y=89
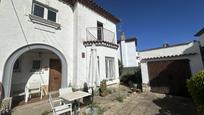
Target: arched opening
x=37 y=63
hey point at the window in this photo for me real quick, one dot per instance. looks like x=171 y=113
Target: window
x=99 y=30
x=42 y=10
x=38 y=10
x=36 y=65
x=16 y=67
x=51 y=15
x=110 y=68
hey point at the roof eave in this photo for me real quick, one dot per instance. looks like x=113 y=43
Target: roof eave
x=95 y=7
x=169 y=56
x=199 y=33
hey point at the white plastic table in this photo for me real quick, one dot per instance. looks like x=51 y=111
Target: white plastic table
x=74 y=95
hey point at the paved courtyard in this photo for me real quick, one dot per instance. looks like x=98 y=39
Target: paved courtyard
x=153 y=104
x=134 y=104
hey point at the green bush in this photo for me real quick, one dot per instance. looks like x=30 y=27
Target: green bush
x=131 y=74
x=196 y=88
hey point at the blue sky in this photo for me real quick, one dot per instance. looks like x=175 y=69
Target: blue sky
x=155 y=22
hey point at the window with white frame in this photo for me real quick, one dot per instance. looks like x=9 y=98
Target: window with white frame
x=110 y=68
x=44 y=11
x=38 y=10
x=51 y=15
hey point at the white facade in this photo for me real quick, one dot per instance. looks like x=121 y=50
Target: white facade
x=19 y=31
x=172 y=53
x=83 y=20
x=200 y=36
x=201 y=39
x=127 y=52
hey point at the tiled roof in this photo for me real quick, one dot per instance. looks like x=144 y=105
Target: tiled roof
x=169 y=56
x=129 y=39
x=101 y=43
x=166 y=47
x=95 y=7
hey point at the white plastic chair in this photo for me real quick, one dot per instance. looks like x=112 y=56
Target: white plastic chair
x=59 y=107
x=33 y=88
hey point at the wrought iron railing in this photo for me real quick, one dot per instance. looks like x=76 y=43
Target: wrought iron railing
x=100 y=34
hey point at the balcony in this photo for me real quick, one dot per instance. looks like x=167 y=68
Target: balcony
x=100 y=37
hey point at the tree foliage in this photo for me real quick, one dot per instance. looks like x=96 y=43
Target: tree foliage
x=196 y=88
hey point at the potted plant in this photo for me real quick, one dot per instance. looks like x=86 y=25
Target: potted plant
x=103 y=88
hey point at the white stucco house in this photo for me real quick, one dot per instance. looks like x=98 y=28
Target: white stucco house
x=50 y=41
x=166 y=69
x=200 y=36
x=127 y=51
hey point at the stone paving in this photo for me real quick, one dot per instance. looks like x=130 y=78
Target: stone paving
x=134 y=104
x=37 y=108
x=153 y=104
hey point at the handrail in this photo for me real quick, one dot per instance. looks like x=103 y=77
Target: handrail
x=100 y=34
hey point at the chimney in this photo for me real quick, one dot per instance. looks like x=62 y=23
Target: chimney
x=165 y=45
x=122 y=36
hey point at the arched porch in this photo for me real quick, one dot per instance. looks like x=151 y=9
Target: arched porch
x=36 y=62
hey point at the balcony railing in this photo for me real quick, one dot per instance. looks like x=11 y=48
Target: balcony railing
x=100 y=34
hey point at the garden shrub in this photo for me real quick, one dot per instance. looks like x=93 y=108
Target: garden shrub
x=132 y=74
x=196 y=88
x=103 y=88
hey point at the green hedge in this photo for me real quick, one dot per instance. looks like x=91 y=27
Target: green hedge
x=196 y=88
x=131 y=74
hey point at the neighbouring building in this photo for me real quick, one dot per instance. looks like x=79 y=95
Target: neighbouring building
x=200 y=36
x=166 y=69
x=50 y=41
x=127 y=51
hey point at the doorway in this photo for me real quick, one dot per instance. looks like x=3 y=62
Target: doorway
x=99 y=30
x=55 y=75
